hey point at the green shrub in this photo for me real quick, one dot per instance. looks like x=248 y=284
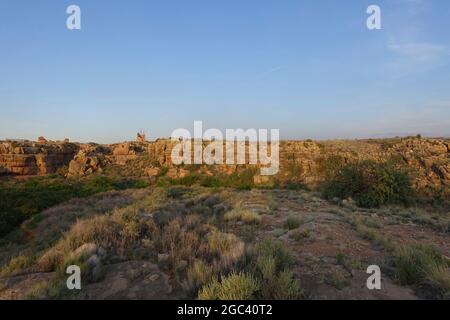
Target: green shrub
x=176 y=192
x=272 y=264
x=269 y=249
x=188 y=180
x=242 y=180
x=240 y=286
x=292 y=223
x=341 y=258
x=281 y=287
x=297 y=186
x=329 y=167
x=370 y=184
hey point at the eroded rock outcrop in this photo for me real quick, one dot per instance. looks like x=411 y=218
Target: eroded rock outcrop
x=428 y=160
x=90 y=158
x=31 y=158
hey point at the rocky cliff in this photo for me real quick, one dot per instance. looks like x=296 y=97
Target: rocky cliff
x=427 y=159
x=34 y=158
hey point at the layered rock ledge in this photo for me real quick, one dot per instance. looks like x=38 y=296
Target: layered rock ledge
x=428 y=160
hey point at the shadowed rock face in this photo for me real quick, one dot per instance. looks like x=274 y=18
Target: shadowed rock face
x=428 y=159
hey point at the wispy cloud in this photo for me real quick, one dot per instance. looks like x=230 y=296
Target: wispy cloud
x=420 y=52
x=411 y=57
x=409 y=42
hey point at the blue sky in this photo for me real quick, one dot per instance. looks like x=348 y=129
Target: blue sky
x=310 y=68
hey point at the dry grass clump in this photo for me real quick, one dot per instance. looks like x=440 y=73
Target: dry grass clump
x=243 y=215
x=268 y=276
x=227 y=248
x=423 y=265
x=197 y=251
x=198 y=274
x=439 y=278
x=196 y=248
x=236 y=286
x=219 y=242
x=17 y=265
x=117 y=233
x=181 y=242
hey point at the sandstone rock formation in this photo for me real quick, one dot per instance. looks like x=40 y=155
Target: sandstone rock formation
x=30 y=158
x=428 y=160
x=90 y=158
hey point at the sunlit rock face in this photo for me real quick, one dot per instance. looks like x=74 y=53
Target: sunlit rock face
x=427 y=159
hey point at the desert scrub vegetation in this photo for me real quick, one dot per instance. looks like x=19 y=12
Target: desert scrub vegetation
x=16 y=265
x=20 y=200
x=235 y=286
x=370 y=184
x=244 y=215
x=267 y=276
x=300 y=235
x=174 y=234
x=369 y=229
x=293 y=223
x=438 y=219
x=38 y=235
x=241 y=180
x=423 y=266
x=272 y=263
x=328 y=167
x=414 y=265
